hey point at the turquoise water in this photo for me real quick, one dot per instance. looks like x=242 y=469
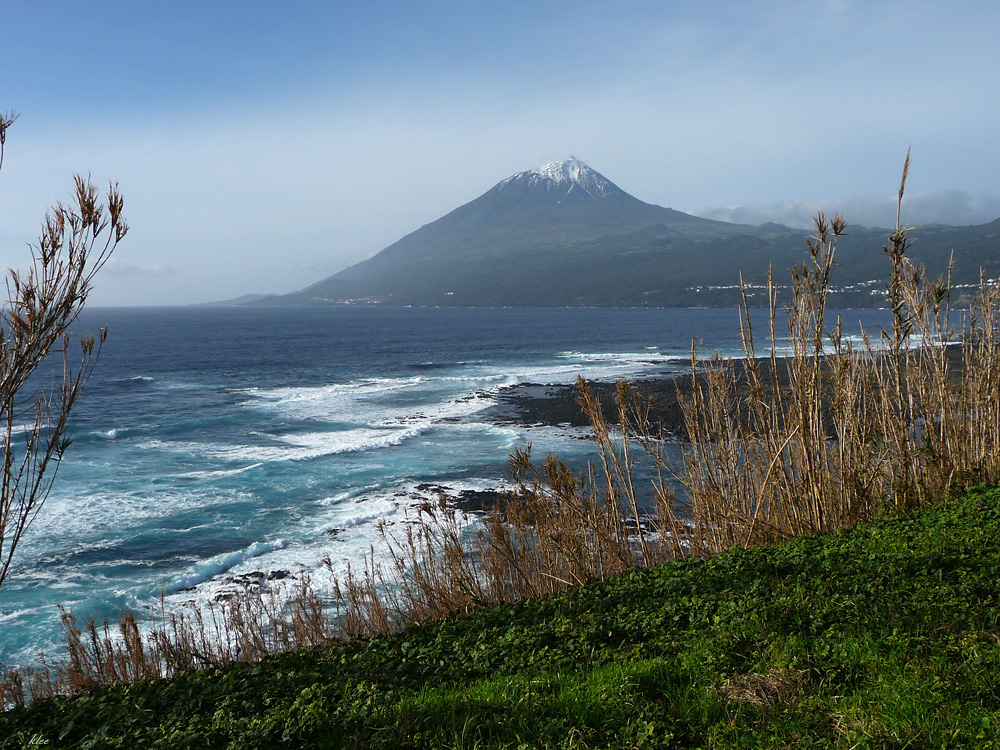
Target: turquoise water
x=213 y=442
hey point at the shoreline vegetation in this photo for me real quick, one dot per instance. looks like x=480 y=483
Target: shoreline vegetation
x=887 y=635
x=775 y=455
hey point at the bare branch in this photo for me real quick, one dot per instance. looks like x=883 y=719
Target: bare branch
x=43 y=301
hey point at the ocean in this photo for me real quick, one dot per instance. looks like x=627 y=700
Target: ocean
x=212 y=443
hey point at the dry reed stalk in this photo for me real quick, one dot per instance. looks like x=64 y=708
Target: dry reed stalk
x=553 y=532
x=833 y=435
x=245 y=628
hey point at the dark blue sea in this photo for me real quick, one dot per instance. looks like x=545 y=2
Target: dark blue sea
x=216 y=442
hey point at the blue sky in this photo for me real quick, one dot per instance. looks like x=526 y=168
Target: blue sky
x=263 y=146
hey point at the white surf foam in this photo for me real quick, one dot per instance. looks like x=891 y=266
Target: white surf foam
x=7 y=617
x=102 y=517
x=346 y=402
x=215 y=566
x=218 y=473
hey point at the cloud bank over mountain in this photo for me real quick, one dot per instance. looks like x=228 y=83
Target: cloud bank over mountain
x=950 y=207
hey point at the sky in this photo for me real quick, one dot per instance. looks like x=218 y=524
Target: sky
x=264 y=146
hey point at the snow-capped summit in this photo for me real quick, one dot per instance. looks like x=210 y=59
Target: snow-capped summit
x=571 y=170
x=566 y=176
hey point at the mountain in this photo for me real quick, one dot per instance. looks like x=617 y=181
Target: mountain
x=245 y=299
x=528 y=222
x=556 y=206
x=564 y=234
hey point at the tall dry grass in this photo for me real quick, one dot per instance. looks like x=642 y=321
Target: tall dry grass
x=819 y=433
x=837 y=433
x=250 y=627
x=554 y=531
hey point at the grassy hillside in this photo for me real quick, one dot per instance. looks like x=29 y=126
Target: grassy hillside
x=885 y=636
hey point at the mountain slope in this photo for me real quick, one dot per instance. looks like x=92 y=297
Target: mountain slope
x=564 y=234
x=531 y=220
x=556 y=206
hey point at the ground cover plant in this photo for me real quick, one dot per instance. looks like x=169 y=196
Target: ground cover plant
x=883 y=636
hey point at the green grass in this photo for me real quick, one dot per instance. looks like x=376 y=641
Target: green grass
x=882 y=637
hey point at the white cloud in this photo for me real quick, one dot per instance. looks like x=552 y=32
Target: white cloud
x=950 y=207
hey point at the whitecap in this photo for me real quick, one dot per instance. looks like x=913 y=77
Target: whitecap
x=18 y=613
x=341 y=497
x=316 y=444
x=362 y=400
x=217 y=473
x=361 y=519
x=296 y=447
x=208 y=569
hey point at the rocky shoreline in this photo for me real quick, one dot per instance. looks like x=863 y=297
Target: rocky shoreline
x=533 y=404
